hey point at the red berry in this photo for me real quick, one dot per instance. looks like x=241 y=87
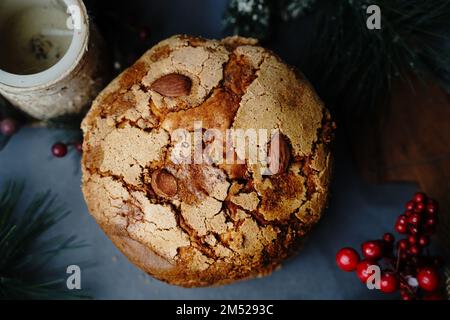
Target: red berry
x=372 y=250
x=405 y=295
x=388 y=238
x=402 y=219
x=412 y=239
x=403 y=244
x=424 y=240
x=410 y=205
x=389 y=283
x=431 y=221
x=347 y=259
x=362 y=270
x=432 y=206
x=414 y=250
x=419 y=197
x=414 y=219
x=408 y=213
x=400 y=228
x=413 y=230
x=428 y=279
x=59 y=150
x=8 y=127
x=420 y=207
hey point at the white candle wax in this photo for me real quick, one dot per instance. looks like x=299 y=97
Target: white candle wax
x=50 y=62
x=34 y=39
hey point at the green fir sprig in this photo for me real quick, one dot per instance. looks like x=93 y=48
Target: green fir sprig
x=258 y=18
x=25 y=255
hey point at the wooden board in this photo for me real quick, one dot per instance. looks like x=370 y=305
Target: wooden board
x=412 y=144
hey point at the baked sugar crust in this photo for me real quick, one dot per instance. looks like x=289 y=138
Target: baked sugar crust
x=205 y=224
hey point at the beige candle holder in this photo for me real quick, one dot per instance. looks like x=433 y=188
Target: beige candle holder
x=72 y=82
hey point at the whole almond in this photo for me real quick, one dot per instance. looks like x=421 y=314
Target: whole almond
x=279 y=154
x=164 y=184
x=172 y=85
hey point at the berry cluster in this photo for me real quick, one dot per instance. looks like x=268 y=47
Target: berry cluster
x=60 y=149
x=406 y=266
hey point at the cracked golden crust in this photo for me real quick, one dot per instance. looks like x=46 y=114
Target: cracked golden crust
x=226 y=222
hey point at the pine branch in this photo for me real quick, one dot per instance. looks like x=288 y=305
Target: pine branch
x=24 y=254
x=293 y=9
x=251 y=18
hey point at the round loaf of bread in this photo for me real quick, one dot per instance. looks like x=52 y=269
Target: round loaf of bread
x=163 y=175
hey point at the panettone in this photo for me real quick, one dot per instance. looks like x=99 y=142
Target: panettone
x=206 y=222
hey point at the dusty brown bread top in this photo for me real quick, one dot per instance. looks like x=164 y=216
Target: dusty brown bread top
x=202 y=224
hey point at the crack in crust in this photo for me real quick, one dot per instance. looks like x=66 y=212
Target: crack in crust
x=226 y=222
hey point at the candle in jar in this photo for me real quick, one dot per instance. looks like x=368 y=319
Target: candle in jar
x=52 y=61
x=34 y=39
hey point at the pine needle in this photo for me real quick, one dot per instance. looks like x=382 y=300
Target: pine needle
x=25 y=256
